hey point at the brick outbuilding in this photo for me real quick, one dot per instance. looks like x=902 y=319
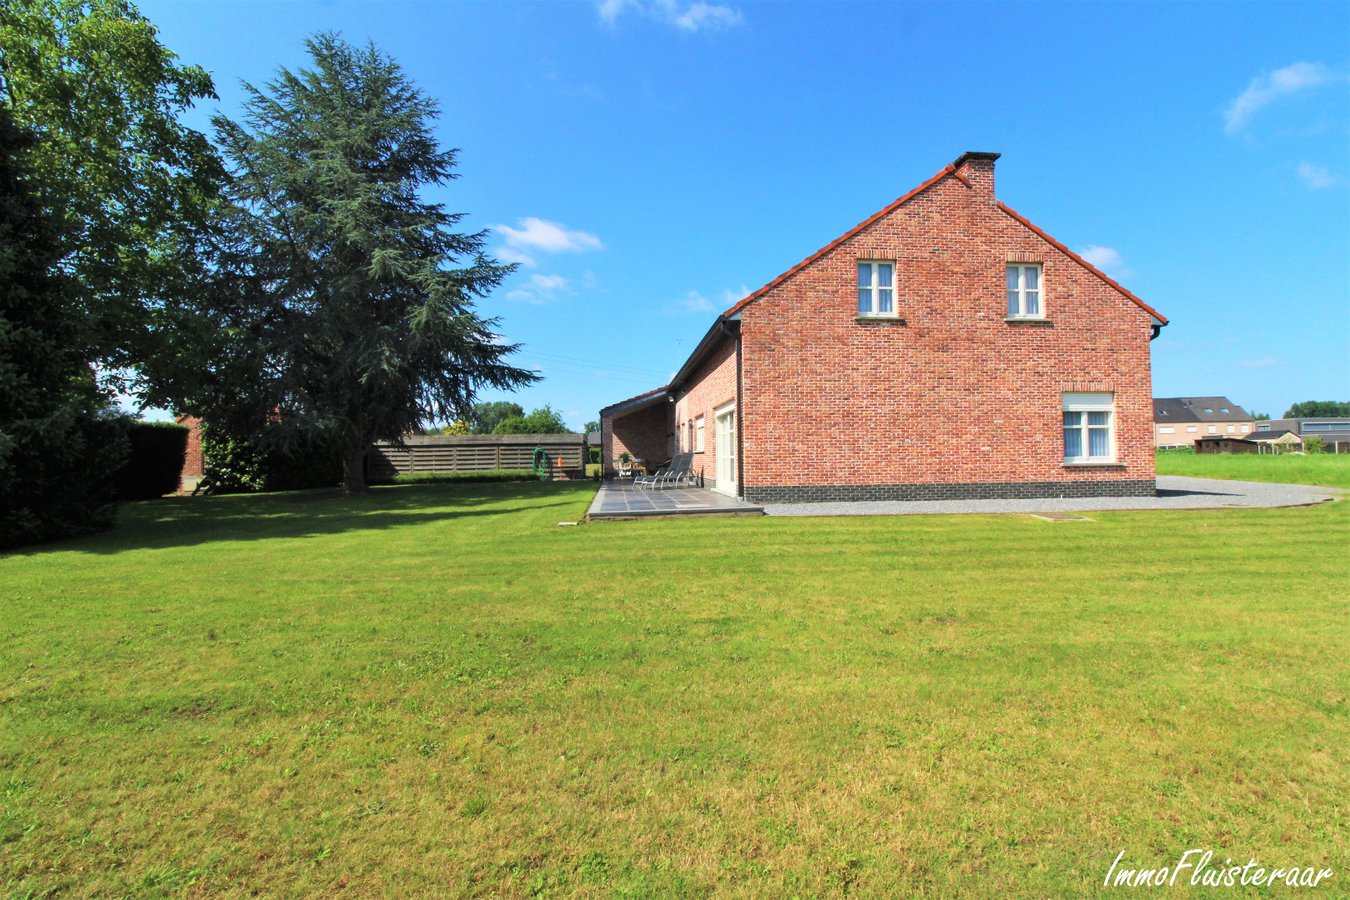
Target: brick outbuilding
x=946 y=348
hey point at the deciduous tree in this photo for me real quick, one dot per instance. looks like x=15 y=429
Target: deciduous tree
x=135 y=190
x=485 y=417
x=1310 y=409
x=58 y=450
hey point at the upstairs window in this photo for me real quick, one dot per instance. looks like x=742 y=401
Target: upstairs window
x=876 y=289
x=1024 y=292
x=1089 y=428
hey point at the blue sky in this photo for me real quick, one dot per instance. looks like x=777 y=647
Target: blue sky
x=650 y=162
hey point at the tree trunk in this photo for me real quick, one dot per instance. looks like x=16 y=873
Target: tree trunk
x=353 y=471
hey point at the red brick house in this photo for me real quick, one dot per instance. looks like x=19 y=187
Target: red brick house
x=946 y=348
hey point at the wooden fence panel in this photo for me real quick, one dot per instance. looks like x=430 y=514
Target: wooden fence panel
x=479 y=453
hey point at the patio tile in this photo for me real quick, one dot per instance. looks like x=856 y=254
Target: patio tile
x=619 y=499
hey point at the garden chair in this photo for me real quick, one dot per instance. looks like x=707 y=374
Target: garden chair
x=658 y=478
x=681 y=472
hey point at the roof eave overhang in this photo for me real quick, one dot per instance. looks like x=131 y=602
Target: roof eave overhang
x=725 y=327
x=637 y=404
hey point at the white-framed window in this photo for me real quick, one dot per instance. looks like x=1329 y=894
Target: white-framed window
x=876 y=288
x=1025 y=292
x=1245 y=429
x=1089 y=427
x=1165 y=429
x=1232 y=430
x=1190 y=429
x=698 y=434
x=690 y=446
x=1212 y=429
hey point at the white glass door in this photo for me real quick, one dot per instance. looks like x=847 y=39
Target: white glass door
x=726 y=450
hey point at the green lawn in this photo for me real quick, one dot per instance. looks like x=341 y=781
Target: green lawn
x=435 y=691
x=1328 y=469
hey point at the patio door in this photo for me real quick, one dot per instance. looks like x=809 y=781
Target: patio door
x=725 y=448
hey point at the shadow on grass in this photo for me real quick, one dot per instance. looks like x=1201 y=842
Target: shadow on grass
x=188 y=521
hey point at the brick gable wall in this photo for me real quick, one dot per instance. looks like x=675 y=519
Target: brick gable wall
x=954 y=396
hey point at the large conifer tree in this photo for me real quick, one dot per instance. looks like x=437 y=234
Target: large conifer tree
x=347 y=306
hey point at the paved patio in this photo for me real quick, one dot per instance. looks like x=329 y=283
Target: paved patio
x=619 y=499
x=1174 y=492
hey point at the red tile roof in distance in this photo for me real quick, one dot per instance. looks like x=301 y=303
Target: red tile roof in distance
x=949 y=169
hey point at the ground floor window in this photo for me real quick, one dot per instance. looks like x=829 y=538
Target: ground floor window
x=1089 y=427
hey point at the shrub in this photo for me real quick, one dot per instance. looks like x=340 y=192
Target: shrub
x=493 y=475
x=1314 y=445
x=57 y=476
x=236 y=465
x=156 y=461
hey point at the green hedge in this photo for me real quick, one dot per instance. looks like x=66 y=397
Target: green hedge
x=235 y=465
x=156 y=461
x=58 y=476
x=461 y=477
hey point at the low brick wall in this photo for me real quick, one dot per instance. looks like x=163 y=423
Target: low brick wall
x=1027 y=490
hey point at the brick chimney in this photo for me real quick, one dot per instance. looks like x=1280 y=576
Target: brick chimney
x=978 y=169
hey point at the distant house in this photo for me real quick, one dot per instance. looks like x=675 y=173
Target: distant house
x=945 y=348
x=1181 y=421
x=1334 y=432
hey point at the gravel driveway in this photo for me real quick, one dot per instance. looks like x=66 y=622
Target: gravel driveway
x=1174 y=492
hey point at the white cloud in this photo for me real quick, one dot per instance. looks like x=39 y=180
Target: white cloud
x=609 y=9
x=542 y=235
x=539 y=289
x=1106 y=259
x=1317 y=177
x=696 y=16
x=1263 y=363
x=695 y=302
x=731 y=298
x=509 y=255
x=1265 y=89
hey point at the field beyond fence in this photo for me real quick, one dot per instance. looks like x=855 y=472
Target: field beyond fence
x=1326 y=469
